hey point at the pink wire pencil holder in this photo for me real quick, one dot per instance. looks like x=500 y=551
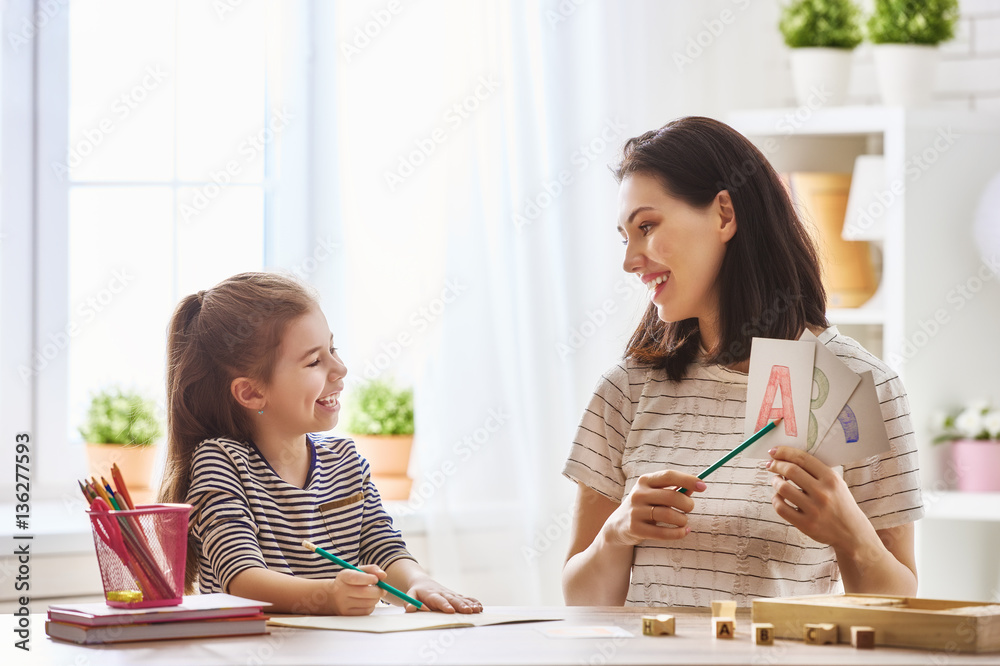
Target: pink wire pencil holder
x=141 y=553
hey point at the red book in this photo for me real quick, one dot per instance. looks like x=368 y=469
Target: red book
x=193 y=607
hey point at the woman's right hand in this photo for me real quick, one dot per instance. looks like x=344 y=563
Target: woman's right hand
x=357 y=592
x=654 y=509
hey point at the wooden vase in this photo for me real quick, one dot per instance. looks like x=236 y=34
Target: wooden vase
x=848 y=271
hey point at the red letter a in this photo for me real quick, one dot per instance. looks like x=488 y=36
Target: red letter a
x=780 y=378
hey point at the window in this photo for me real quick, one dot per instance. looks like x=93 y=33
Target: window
x=143 y=166
x=167 y=175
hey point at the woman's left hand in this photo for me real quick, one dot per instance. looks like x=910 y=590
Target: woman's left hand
x=815 y=499
x=437 y=597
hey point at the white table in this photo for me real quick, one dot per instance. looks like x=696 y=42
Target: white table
x=501 y=644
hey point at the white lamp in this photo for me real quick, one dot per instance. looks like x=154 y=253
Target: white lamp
x=867 y=201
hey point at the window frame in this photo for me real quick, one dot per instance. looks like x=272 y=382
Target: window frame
x=34 y=228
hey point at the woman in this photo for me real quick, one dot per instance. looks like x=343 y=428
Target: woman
x=711 y=231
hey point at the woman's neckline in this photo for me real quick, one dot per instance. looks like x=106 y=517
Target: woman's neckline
x=727 y=373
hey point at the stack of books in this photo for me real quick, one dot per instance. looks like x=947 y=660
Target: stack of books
x=198 y=616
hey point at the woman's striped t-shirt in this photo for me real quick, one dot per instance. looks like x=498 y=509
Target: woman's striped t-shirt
x=245 y=515
x=639 y=421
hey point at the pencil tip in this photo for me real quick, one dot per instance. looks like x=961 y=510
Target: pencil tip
x=309 y=544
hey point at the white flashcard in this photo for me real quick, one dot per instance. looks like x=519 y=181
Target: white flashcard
x=832 y=386
x=860 y=430
x=779 y=385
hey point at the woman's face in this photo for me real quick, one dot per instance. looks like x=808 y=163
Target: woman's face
x=675 y=249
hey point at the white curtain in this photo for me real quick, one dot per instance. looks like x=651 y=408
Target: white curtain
x=480 y=257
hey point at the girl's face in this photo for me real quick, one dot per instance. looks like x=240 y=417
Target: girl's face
x=304 y=391
x=676 y=250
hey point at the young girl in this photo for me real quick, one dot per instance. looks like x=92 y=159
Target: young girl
x=251 y=372
x=710 y=230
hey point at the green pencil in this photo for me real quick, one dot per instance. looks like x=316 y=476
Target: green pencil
x=729 y=456
x=347 y=565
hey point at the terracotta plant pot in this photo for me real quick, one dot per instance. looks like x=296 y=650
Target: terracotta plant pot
x=135 y=462
x=976 y=465
x=389 y=457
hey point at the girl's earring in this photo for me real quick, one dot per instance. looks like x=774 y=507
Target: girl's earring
x=260 y=411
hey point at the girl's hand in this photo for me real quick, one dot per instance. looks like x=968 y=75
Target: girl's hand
x=357 y=593
x=439 y=598
x=813 y=498
x=654 y=509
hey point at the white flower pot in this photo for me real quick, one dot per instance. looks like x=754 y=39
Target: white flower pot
x=905 y=73
x=821 y=75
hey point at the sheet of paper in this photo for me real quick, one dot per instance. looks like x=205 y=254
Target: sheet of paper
x=386 y=622
x=579 y=631
x=779 y=385
x=833 y=384
x=860 y=430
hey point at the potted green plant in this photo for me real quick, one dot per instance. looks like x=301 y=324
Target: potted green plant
x=905 y=35
x=974 y=433
x=121 y=429
x=822 y=35
x=379 y=416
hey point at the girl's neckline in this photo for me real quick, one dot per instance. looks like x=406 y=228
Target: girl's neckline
x=312 y=463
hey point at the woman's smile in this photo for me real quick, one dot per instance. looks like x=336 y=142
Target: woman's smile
x=656 y=283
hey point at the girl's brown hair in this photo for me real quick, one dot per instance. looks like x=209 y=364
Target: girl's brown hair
x=231 y=330
x=769 y=282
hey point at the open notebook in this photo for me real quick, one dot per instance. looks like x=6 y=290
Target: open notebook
x=386 y=620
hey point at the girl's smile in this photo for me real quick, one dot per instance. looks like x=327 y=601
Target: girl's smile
x=330 y=402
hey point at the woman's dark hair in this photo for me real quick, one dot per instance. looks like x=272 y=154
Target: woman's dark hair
x=769 y=282
x=231 y=330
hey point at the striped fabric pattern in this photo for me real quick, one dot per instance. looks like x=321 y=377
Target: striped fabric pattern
x=245 y=515
x=638 y=422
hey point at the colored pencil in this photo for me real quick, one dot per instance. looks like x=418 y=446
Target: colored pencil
x=732 y=454
x=115 y=503
x=347 y=565
x=116 y=475
x=101 y=492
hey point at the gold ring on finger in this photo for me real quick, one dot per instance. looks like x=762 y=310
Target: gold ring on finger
x=651 y=519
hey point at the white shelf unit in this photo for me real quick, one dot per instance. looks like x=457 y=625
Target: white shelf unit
x=942 y=160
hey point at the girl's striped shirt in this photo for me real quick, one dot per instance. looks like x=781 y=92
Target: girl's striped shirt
x=246 y=516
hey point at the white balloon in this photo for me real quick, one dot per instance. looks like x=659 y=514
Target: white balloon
x=987 y=222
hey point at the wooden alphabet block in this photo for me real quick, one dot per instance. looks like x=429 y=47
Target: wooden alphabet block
x=725 y=627
x=723 y=609
x=657 y=625
x=763 y=633
x=820 y=634
x=863 y=638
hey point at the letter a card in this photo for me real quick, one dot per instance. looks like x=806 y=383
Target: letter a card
x=780 y=385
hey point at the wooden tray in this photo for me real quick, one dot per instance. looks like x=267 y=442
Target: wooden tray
x=908 y=622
